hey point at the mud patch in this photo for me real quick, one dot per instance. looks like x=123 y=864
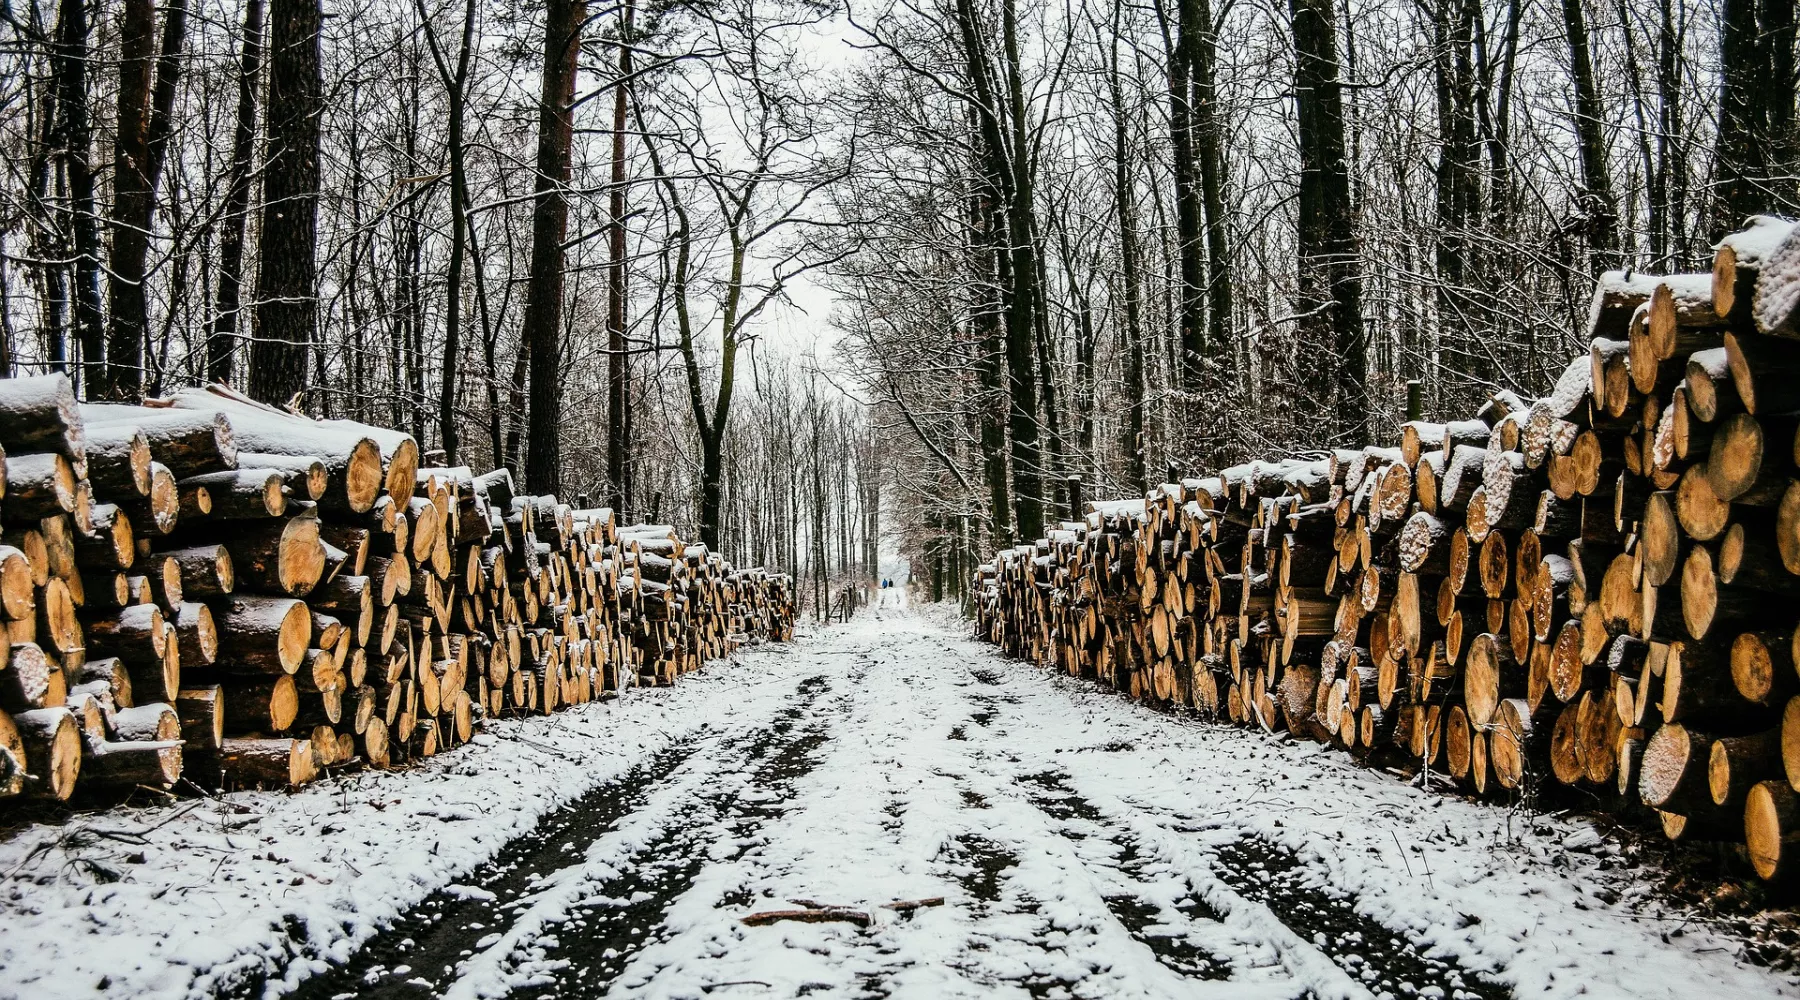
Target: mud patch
x=980 y=868
x=601 y=936
x=1161 y=928
x=430 y=939
x=1383 y=960
x=1166 y=941
x=1052 y=796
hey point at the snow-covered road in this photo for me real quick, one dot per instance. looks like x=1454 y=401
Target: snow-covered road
x=1085 y=846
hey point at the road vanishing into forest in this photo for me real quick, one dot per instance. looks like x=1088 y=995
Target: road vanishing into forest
x=1084 y=846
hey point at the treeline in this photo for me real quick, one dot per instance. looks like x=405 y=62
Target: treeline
x=523 y=232
x=1103 y=238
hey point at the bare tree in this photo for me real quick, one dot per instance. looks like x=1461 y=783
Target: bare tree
x=543 y=326
x=286 y=317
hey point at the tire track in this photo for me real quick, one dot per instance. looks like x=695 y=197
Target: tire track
x=1370 y=953
x=595 y=942
x=435 y=933
x=1261 y=872
x=1163 y=926
x=424 y=952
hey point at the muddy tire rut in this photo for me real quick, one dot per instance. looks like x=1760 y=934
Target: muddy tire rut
x=423 y=952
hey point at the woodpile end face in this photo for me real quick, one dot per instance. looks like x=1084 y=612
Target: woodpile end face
x=211 y=590
x=1595 y=588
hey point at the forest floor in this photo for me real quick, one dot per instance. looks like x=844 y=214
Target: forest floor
x=1085 y=847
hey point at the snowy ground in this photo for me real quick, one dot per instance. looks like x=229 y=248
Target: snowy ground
x=1086 y=847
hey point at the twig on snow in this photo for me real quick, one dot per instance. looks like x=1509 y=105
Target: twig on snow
x=837 y=914
x=909 y=905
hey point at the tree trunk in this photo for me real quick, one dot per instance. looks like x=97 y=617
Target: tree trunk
x=1329 y=308
x=1671 y=156
x=618 y=440
x=221 y=344
x=286 y=296
x=1598 y=206
x=1499 y=203
x=712 y=486
x=1132 y=337
x=541 y=332
x=456 y=84
x=1458 y=189
x=1779 y=96
x=122 y=376
x=46 y=237
x=77 y=131
x=1023 y=301
x=988 y=345
x=145 y=119
x=148 y=379
x=1180 y=43
x=1006 y=161
x=1209 y=146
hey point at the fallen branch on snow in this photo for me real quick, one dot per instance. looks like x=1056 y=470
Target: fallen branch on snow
x=818 y=915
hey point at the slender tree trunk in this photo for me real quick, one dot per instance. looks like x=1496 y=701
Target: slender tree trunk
x=77 y=130
x=515 y=401
x=618 y=441
x=1180 y=40
x=1209 y=145
x=1458 y=187
x=712 y=486
x=542 y=327
x=1046 y=372
x=1330 y=302
x=156 y=147
x=1008 y=162
x=1499 y=148
x=459 y=243
x=46 y=235
x=1656 y=192
x=287 y=316
x=989 y=344
x=122 y=376
x=221 y=347
x=1132 y=334
x=1671 y=151
x=1779 y=99
x=456 y=86
x=144 y=122
x=1599 y=207
x=411 y=259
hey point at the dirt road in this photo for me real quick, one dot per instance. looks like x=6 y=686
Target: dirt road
x=1084 y=846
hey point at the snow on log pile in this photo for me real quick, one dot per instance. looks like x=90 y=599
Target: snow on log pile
x=214 y=589
x=1599 y=587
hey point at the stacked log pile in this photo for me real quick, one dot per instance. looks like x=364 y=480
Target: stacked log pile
x=1595 y=588
x=211 y=589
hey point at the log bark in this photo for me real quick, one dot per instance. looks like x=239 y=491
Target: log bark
x=273 y=762
x=1674 y=772
x=243 y=492
x=38 y=485
x=52 y=744
x=202 y=714
x=1737 y=763
x=189 y=443
x=279 y=556
x=261 y=635
x=38 y=413
x=1738 y=261
x=1772 y=830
